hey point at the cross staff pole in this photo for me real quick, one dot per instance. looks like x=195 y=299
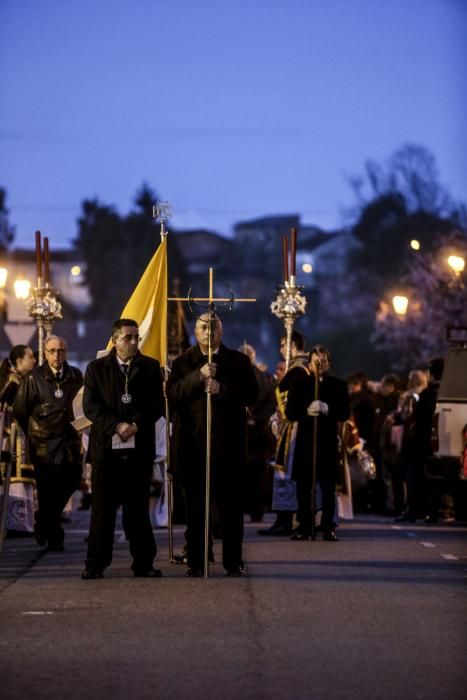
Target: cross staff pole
x=211 y=300
x=315 y=370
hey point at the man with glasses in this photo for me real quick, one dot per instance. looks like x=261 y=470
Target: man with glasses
x=123 y=398
x=44 y=409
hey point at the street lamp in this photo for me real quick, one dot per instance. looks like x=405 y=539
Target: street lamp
x=400 y=304
x=3 y=303
x=22 y=288
x=456 y=263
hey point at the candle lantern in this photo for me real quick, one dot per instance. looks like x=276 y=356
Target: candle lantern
x=42 y=303
x=289 y=303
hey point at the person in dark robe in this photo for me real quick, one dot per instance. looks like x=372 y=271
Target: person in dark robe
x=20 y=505
x=43 y=407
x=260 y=442
x=230 y=380
x=123 y=398
x=330 y=409
x=284 y=497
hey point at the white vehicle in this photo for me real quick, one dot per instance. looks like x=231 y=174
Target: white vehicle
x=451 y=410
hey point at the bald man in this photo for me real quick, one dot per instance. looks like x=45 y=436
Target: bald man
x=230 y=380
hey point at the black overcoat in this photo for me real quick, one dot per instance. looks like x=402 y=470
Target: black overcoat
x=104 y=384
x=46 y=418
x=238 y=389
x=332 y=391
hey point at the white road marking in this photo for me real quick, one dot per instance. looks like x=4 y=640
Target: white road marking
x=427 y=544
x=37 y=612
x=451 y=557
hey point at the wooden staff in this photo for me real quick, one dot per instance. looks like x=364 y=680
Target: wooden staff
x=315 y=369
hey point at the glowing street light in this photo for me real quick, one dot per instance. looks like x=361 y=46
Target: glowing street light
x=22 y=288
x=400 y=304
x=456 y=263
x=307 y=267
x=3 y=277
x=414 y=244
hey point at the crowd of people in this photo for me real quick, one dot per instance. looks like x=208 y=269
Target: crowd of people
x=293 y=442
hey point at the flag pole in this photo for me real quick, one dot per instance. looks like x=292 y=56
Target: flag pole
x=162 y=212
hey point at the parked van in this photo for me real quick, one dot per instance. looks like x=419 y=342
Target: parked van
x=451 y=410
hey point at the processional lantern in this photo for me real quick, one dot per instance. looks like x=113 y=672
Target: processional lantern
x=289 y=303
x=42 y=304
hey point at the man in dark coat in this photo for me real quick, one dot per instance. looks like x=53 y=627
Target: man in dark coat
x=123 y=398
x=331 y=408
x=230 y=380
x=44 y=409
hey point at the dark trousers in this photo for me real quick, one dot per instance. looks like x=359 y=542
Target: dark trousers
x=305 y=513
x=121 y=480
x=55 y=484
x=227 y=507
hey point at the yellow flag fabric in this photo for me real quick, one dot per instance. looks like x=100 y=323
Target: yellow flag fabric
x=148 y=306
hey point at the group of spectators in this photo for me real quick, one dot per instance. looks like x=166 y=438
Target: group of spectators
x=394 y=418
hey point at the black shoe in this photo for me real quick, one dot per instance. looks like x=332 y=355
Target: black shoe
x=41 y=539
x=90 y=573
x=55 y=547
x=276 y=531
x=330 y=536
x=299 y=536
x=149 y=573
x=407 y=516
x=193 y=573
x=181 y=558
x=431 y=518
x=235 y=572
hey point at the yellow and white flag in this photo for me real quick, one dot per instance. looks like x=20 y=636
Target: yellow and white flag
x=148 y=306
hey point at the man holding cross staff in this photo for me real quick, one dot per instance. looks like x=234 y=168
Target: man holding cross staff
x=209 y=388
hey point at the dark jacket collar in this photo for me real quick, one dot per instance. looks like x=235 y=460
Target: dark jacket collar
x=111 y=360
x=49 y=374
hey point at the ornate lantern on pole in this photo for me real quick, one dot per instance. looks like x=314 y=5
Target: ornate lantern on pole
x=289 y=303
x=42 y=304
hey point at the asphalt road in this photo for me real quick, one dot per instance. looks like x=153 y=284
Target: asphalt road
x=381 y=614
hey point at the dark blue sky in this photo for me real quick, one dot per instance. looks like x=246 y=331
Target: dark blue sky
x=230 y=110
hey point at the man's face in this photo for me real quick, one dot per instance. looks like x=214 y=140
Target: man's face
x=355 y=388
x=387 y=389
x=126 y=342
x=324 y=363
x=202 y=332
x=55 y=353
x=283 y=349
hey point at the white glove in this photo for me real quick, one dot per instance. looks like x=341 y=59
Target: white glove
x=317 y=407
